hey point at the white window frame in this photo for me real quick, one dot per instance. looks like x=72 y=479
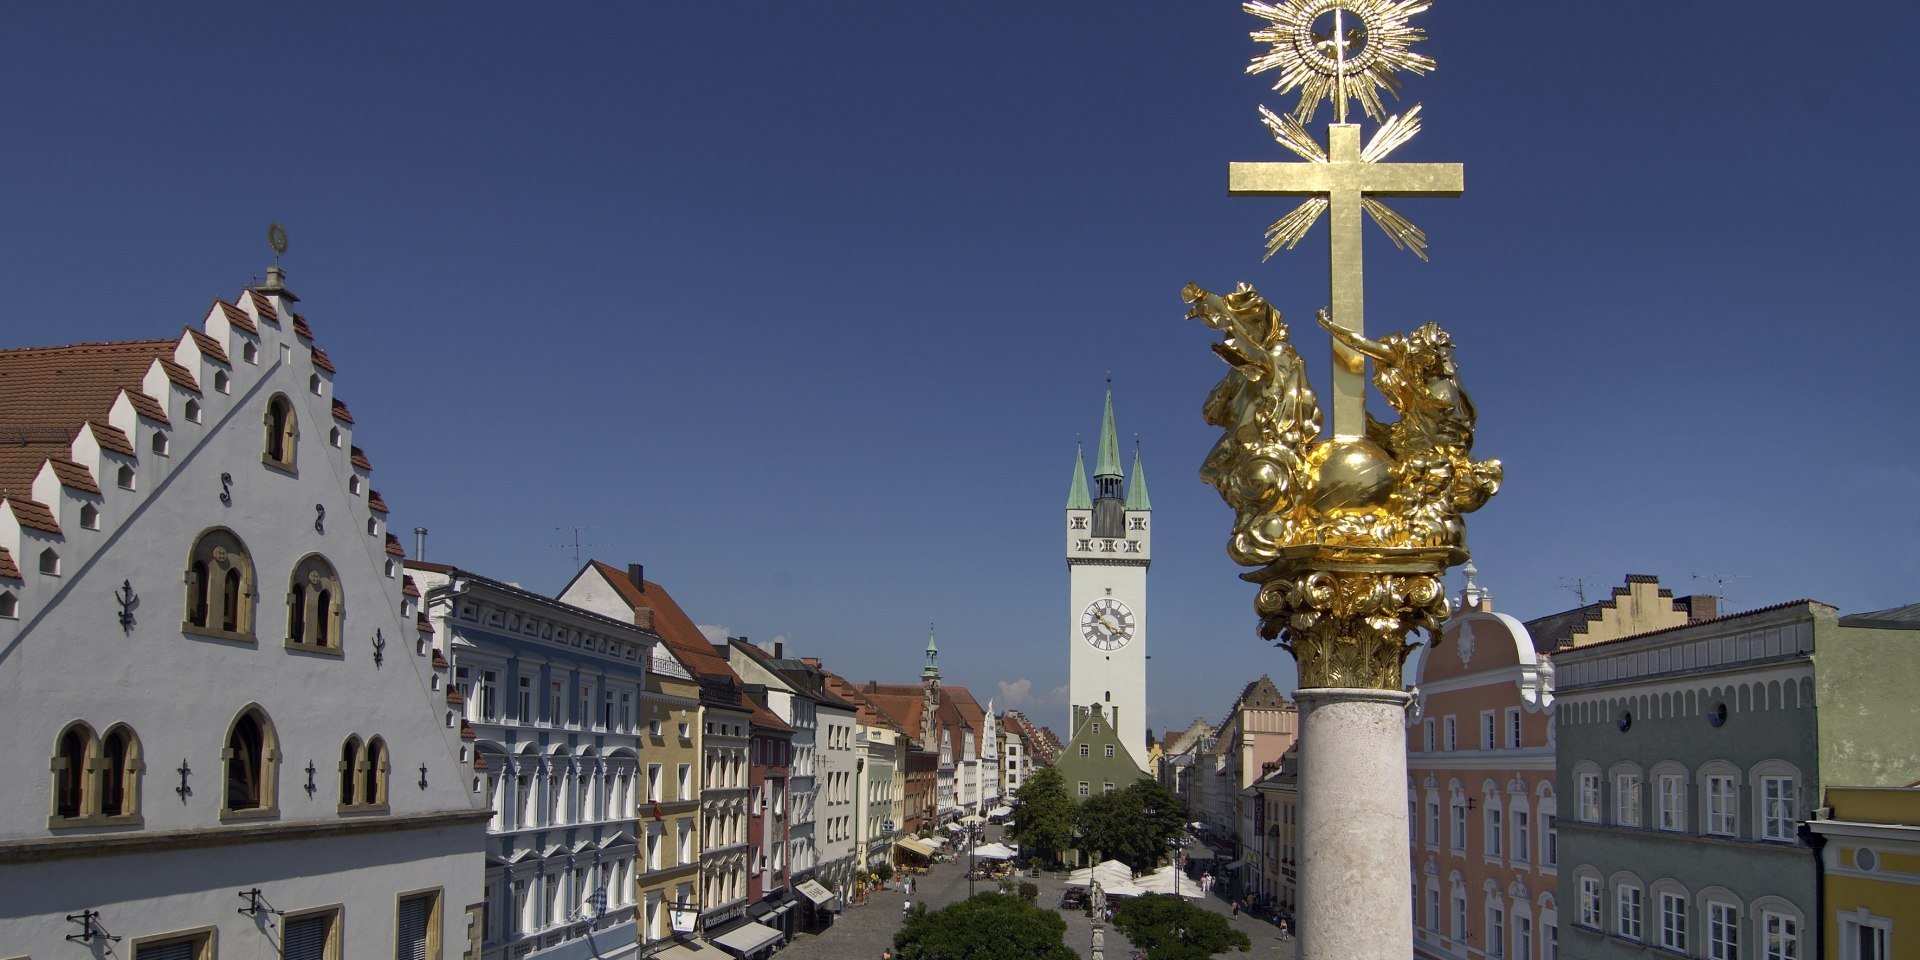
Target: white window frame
x=1780 y=936
x=1513 y=728
x=1779 y=807
x=1721 y=801
x=1489 y=730
x=1723 y=930
x=1854 y=925
x=1670 y=811
x=1591 y=907
x=1589 y=787
x=1629 y=914
x=1673 y=920
x=1627 y=794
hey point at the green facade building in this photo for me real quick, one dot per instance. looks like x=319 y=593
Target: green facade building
x=1094 y=760
x=1689 y=758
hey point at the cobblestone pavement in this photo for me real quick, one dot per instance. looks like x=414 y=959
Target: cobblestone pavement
x=864 y=930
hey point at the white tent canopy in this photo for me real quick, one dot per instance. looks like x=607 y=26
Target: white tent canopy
x=1168 y=880
x=973 y=818
x=1000 y=812
x=1111 y=874
x=995 y=851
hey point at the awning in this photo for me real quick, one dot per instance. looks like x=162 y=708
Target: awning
x=915 y=847
x=747 y=938
x=1237 y=864
x=1000 y=812
x=812 y=890
x=973 y=818
x=693 y=950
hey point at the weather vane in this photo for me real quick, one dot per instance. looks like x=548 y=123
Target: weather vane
x=277 y=239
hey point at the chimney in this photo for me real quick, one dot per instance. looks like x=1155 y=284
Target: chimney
x=637 y=573
x=643 y=617
x=420 y=543
x=1699 y=607
x=779 y=650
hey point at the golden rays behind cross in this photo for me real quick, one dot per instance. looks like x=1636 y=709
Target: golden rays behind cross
x=1339 y=50
x=1290 y=133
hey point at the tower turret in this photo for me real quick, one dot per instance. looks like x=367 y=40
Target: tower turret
x=1109 y=519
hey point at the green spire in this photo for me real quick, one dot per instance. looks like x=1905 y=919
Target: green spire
x=1109 y=465
x=1077 y=492
x=932 y=670
x=1137 y=487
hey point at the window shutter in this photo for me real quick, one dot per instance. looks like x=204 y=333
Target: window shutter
x=410 y=942
x=177 y=950
x=306 y=937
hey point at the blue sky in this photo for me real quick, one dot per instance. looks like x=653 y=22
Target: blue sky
x=803 y=306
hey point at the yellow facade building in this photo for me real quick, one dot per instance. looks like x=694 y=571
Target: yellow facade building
x=1870 y=861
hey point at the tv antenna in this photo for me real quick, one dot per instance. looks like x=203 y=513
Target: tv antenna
x=1576 y=584
x=575 y=529
x=1720 y=581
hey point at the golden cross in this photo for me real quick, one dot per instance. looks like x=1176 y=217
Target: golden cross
x=1346 y=180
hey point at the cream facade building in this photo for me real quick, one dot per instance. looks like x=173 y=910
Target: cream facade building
x=224 y=733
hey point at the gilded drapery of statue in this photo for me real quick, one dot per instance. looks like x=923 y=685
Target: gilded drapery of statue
x=1352 y=532
x=1403 y=484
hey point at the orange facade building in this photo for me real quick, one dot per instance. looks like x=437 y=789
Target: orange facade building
x=1480 y=797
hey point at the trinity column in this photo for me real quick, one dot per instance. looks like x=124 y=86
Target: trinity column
x=1350 y=533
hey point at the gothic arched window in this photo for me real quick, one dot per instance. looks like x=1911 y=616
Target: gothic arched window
x=72 y=755
x=220 y=586
x=315 y=607
x=283 y=430
x=251 y=761
x=349 y=769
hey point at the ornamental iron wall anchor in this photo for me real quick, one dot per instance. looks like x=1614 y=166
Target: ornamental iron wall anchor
x=311 y=786
x=319 y=518
x=128 y=600
x=89 y=921
x=183 y=790
x=226 y=489
x=379 y=648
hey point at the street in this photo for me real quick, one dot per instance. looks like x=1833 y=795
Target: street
x=864 y=930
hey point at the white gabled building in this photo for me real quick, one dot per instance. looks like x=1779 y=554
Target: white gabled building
x=223 y=729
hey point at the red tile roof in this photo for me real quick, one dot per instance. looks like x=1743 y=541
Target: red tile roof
x=393 y=546
x=74 y=475
x=209 y=347
x=181 y=376
x=673 y=625
x=264 y=307
x=7 y=569
x=300 y=326
x=113 y=438
x=320 y=360
x=439 y=660
x=46 y=393
x=33 y=514
x=340 y=412
x=374 y=502
x=762 y=717
x=237 y=317
x=407 y=587
x=147 y=406
x=360 y=459
x=421 y=623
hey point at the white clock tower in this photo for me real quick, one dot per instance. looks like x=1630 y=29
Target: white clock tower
x=1109 y=540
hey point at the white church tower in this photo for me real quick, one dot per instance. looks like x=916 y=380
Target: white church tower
x=1109 y=544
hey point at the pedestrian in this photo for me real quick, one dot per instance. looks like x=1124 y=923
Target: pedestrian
x=906 y=907
x=1236 y=908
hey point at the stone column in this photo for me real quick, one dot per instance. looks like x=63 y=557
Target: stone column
x=1354 y=861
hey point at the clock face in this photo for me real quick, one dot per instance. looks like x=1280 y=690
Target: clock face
x=1107 y=624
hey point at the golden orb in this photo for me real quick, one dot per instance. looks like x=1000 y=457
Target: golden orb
x=1351 y=476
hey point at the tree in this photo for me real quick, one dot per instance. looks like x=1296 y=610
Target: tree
x=1135 y=825
x=1043 y=814
x=991 y=926
x=1169 y=928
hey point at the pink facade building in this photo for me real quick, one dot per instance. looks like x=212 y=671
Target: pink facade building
x=1480 y=797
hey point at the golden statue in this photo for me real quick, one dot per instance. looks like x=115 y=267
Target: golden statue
x=1351 y=532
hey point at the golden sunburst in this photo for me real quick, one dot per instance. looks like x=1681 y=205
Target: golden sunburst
x=1339 y=50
